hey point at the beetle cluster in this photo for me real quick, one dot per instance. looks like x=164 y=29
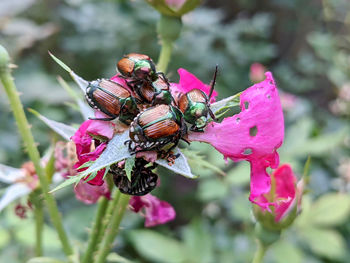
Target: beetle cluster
x=157 y=120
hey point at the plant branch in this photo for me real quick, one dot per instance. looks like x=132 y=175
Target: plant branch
x=24 y=130
x=165 y=55
x=113 y=227
x=260 y=253
x=96 y=230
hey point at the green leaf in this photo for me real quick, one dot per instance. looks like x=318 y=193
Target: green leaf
x=4 y=238
x=285 y=252
x=199 y=244
x=157 y=247
x=115 y=151
x=239 y=175
x=195 y=159
x=62 y=129
x=325 y=242
x=330 y=210
x=84 y=109
x=212 y=189
x=114 y=257
x=69 y=181
x=24 y=232
x=59 y=62
x=224 y=105
x=82 y=83
x=129 y=165
x=180 y=166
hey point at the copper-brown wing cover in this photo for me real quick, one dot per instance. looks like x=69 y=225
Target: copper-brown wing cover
x=159 y=129
x=162 y=129
x=183 y=103
x=110 y=103
x=197 y=95
x=125 y=66
x=147 y=92
x=153 y=114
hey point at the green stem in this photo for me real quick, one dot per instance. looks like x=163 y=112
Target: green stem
x=112 y=229
x=260 y=253
x=96 y=230
x=37 y=205
x=39 y=226
x=164 y=56
x=110 y=208
x=33 y=152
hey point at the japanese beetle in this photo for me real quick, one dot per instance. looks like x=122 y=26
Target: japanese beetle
x=155 y=92
x=195 y=106
x=157 y=128
x=143 y=180
x=112 y=99
x=137 y=67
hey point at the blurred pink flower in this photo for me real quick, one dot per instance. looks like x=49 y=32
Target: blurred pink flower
x=89 y=194
x=188 y=82
x=253 y=135
x=175 y=4
x=89 y=149
x=65 y=158
x=21 y=211
x=257 y=72
x=155 y=211
x=288 y=101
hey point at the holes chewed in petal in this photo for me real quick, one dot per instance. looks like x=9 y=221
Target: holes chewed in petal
x=231 y=136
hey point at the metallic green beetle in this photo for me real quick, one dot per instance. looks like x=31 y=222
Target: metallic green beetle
x=195 y=105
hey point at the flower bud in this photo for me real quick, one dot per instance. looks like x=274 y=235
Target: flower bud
x=284 y=197
x=175 y=8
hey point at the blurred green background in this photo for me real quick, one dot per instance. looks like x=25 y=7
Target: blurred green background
x=305 y=43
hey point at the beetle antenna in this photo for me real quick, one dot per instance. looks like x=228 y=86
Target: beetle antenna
x=213 y=81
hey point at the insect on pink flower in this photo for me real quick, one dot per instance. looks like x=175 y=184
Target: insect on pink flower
x=253 y=135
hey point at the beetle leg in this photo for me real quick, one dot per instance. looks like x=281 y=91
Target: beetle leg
x=212 y=115
x=128 y=143
x=188 y=142
x=164 y=77
x=102 y=119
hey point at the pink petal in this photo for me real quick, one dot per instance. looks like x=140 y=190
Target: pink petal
x=103 y=128
x=235 y=136
x=176 y=4
x=120 y=80
x=89 y=194
x=82 y=139
x=156 y=212
x=188 y=82
x=285 y=190
x=92 y=156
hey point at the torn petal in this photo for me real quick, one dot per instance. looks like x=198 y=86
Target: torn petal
x=233 y=137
